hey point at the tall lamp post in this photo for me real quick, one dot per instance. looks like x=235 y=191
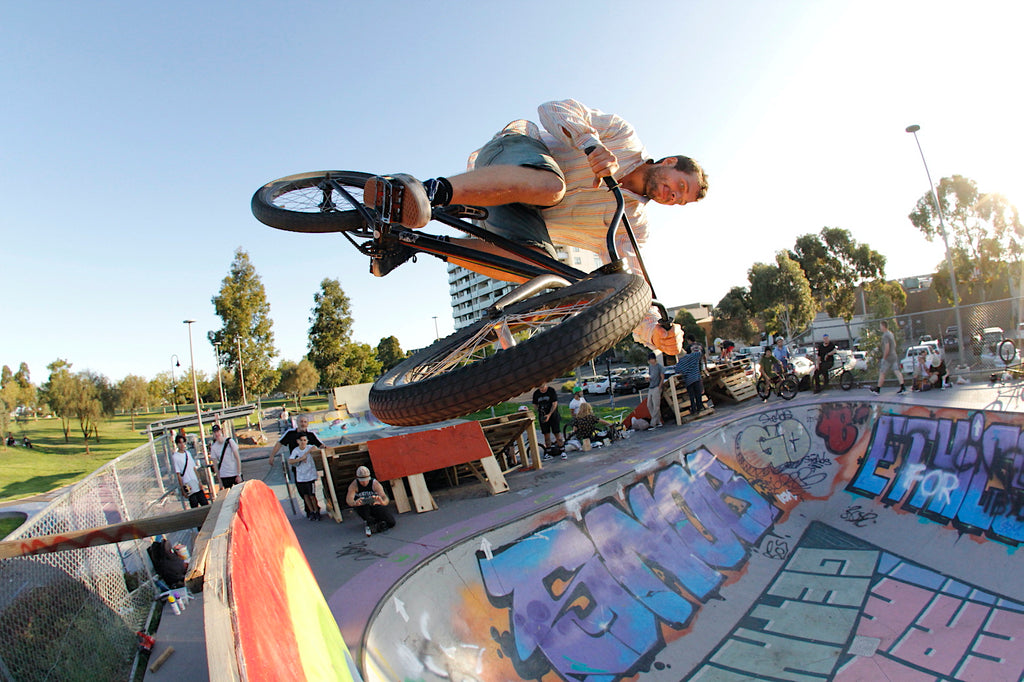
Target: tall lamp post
x=199 y=414
x=912 y=129
x=220 y=381
x=437 y=334
x=174 y=384
x=241 y=375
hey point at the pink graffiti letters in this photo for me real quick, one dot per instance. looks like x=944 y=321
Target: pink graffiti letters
x=589 y=599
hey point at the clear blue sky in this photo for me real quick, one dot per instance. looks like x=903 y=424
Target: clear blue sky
x=134 y=134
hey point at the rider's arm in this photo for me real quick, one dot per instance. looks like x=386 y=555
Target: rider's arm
x=579 y=126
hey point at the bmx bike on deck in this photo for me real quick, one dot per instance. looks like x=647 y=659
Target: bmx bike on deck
x=785 y=387
x=559 y=319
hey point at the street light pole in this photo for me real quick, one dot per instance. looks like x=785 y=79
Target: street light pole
x=174 y=384
x=912 y=129
x=437 y=334
x=241 y=376
x=199 y=414
x=220 y=380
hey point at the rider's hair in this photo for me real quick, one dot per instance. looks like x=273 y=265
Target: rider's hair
x=684 y=164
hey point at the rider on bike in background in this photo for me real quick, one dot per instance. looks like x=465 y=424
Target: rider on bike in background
x=543 y=188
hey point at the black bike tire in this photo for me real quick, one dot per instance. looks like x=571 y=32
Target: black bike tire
x=846 y=380
x=763 y=389
x=269 y=213
x=788 y=389
x=398 y=398
x=1006 y=351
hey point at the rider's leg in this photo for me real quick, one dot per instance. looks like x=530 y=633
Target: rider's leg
x=502 y=184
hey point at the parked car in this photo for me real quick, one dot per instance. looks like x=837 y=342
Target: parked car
x=949 y=341
x=987 y=340
x=910 y=359
x=860 y=359
x=633 y=381
x=598 y=384
x=990 y=356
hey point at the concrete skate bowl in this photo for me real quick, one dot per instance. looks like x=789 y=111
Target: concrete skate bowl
x=835 y=540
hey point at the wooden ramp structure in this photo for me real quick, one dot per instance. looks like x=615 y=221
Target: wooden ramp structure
x=729 y=382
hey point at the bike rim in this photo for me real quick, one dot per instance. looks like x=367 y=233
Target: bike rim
x=506 y=332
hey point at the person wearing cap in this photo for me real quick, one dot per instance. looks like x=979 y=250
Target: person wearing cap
x=654 y=390
x=366 y=495
x=826 y=358
x=185 y=468
x=225 y=452
x=577 y=400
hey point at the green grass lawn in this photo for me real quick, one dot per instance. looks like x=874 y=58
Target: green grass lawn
x=52 y=463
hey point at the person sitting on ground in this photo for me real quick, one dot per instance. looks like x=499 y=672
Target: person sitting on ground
x=543 y=188
x=167 y=563
x=26 y=442
x=305 y=475
x=921 y=372
x=577 y=400
x=585 y=423
x=10 y=440
x=366 y=495
x=937 y=374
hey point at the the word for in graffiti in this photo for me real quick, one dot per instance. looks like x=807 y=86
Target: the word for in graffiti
x=958 y=471
x=589 y=598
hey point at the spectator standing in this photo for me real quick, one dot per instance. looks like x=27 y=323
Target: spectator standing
x=688 y=368
x=826 y=359
x=577 y=400
x=654 y=390
x=290 y=438
x=546 y=400
x=366 y=495
x=780 y=351
x=301 y=459
x=185 y=468
x=229 y=463
x=890 y=361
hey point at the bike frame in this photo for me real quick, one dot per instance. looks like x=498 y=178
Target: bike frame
x=538 y=265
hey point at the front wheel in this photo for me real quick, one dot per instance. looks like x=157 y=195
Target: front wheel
x=846 y=380
x=1007 y=351
x=495 y=359
x=321 y=201
x=788 y=388
x=764 y=389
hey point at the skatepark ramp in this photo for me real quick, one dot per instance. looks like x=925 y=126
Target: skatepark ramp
x=800 y=541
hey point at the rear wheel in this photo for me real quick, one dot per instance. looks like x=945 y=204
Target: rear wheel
x=527 y=345
x=764 y=389
x=788 y=388
x=321 y=201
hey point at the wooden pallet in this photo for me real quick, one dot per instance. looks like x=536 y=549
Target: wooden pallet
x=729 y=382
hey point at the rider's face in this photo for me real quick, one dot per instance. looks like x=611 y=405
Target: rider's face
x=666 y=185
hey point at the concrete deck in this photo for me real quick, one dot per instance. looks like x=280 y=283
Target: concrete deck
x=838 y=536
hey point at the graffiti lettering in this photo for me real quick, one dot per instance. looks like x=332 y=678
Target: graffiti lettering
x=837 y=425
x=360 y=552
x=858 y=516
x=589 y=598
x=958 y=471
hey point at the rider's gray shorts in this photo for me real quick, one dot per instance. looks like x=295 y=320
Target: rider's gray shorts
x=888 y=365
x=518 y=222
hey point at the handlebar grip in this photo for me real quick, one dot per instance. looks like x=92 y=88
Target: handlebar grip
x=608 y=180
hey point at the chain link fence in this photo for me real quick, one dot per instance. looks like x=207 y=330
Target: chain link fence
x=73 y=615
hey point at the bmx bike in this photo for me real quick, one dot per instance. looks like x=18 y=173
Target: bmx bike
x=559 y=319
x=784 y=386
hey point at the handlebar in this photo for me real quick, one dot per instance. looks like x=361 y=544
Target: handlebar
x=620 y=216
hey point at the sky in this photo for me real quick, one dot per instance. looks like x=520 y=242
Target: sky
x=133 y=136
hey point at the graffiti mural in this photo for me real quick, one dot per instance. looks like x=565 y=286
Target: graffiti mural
x=959 y=471
x=588 y=597
x=843 y=609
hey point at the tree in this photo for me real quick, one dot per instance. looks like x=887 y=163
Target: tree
x=732 y=316
x=242 y=306
x=58 y=393
x=835 y=264
x=298 y=379
x=389 y=353
x=330 y=333
x=133 y=394
x=781 y=295
x=360 y=364
x=688 y=323
x=984 y=233
x=85 y=405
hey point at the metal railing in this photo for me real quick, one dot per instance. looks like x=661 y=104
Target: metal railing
x=73 y=615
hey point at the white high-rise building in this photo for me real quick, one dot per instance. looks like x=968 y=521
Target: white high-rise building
x=472 y=293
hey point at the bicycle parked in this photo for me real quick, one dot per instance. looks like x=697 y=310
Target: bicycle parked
x=559 y=319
